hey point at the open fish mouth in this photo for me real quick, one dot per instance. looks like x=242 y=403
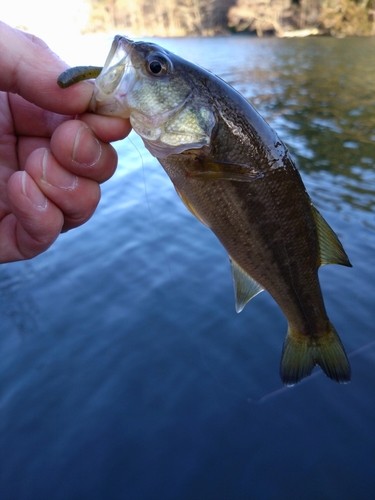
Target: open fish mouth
x=115 y=81
x=139 y=81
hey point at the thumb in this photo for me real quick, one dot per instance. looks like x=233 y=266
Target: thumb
x=30 y=68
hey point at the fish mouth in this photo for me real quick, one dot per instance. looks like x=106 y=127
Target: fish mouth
x=115 y=80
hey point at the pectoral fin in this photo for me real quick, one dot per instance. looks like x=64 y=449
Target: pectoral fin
x=215 y=170
x=245 y=288
x=331 y=250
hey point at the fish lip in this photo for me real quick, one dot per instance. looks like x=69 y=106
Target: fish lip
x=119 y=40
x=116 y=78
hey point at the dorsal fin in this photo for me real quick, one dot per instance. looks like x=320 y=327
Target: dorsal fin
x=245 y=288
x=331 y=250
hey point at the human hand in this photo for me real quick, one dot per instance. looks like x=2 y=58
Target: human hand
x=51 y=162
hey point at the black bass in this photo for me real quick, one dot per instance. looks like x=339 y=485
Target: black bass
x=236 y=176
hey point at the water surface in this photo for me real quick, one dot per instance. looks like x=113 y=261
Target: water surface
x=125 y=371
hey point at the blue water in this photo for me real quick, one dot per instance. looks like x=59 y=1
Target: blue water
x=125 y=371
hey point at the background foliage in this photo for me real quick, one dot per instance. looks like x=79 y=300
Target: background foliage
x=209 y=17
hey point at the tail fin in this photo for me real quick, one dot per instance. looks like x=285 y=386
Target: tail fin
x=301 y=353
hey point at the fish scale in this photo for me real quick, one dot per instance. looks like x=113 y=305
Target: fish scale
x=236 y=176
x=256 y=233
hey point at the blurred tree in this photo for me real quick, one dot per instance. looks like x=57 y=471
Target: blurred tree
x=160 y=17
x=209 y=17
x=348 y=17
x=261 y=16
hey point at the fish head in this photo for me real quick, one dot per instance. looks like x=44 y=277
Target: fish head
x=156 y=90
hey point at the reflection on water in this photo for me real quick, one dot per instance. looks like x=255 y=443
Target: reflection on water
x=321 y=98
x=328 y=102
x=318 y=94
x=125 y=372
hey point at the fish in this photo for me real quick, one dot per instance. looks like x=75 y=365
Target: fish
x=237 y=177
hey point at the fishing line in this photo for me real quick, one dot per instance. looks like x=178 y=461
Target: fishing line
x=154 y=222
x=361 y=349
x=277 y=392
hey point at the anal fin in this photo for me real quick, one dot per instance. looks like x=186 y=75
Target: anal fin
x=245 y=288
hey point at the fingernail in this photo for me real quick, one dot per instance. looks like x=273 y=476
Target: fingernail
x=87 y=149
x=33 y=193
x=58 y=177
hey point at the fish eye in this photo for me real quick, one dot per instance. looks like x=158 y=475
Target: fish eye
x=157 y=65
